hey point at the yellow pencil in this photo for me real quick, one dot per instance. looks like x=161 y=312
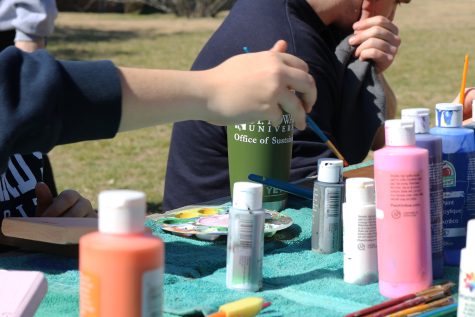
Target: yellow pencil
x=464 y=81
x=424 y=307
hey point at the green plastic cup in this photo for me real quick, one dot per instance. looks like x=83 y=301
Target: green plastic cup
x=262 y=149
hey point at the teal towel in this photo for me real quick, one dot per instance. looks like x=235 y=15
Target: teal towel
x=298 y=281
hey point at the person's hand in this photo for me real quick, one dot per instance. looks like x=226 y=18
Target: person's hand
x=376 y=38
x=68 y=204
x=258 y=86
x=30 y=46
x=467 y=106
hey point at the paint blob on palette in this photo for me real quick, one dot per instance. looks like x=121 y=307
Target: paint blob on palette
x=211 y=222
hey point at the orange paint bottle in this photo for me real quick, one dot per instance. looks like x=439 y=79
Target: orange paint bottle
x=121 y=266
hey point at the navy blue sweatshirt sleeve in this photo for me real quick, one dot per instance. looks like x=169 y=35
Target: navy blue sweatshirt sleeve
x=45 y=102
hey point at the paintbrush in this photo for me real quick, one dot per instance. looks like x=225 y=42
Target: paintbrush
x=449 y=310
x=314 y=127
x=436 y=294
x=373 y=309
x=424 y=307
x=464 y=81
x=285 y=186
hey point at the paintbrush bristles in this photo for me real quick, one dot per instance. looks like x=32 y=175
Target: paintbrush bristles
x=314 y=127
x=424 y=307
x=336 y=152
x=397 y=302
x=445 y=287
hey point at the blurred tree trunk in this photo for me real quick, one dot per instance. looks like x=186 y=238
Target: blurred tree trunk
x=209 y=8
x=188 y=8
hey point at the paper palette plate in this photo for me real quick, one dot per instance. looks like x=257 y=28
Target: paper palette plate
x=209 y=223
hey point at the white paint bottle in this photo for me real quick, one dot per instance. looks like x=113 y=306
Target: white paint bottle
x=466 y=300
x=360 y=258
x=245 y=238
x=328 y=193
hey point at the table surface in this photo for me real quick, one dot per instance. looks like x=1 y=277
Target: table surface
x=298 y=281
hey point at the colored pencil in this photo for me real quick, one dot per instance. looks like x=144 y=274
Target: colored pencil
x=450 y=310
x=464 y=81
x=314 y=127
x=285 y=186
x=424 y=307
x=376 y=308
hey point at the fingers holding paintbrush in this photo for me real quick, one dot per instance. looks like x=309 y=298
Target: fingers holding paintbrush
x=291 y=99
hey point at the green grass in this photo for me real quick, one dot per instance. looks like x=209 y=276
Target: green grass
x=436 y=35
x=134 y=160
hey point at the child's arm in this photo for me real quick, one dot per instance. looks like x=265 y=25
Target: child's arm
x=246 y=87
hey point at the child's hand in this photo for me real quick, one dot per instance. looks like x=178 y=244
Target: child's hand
x=257 y=86
x=376 y=38
x=467 y=106
x=68 y=204
x=30 y=46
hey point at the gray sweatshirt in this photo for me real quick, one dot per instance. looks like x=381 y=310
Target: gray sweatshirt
x=32 y=19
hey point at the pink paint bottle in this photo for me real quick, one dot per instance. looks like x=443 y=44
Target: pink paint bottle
x=121 y=265
x=402 y=212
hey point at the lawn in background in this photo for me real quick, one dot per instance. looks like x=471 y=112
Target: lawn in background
x=436 y=36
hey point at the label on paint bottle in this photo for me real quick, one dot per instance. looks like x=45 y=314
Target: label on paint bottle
x=89 y=291
x=243 y=253
x=245 y=250
x=366 y=236
x=436 y=206
x=330 y=231
x=152 y=293
x=458 y=174
x=402 y=211
x=466 y=299
x=405 y=192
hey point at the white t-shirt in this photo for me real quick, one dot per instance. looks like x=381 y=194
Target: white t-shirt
x=17 y=185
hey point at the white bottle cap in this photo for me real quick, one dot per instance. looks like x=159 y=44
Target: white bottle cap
x=448 y=115
x=467 y=258
x=421 y=117
x=399 y=132
x=467 y=255
x=359 y=191
x=247 y=196
x=330 y=170
x=471 y=235
x=121 y=211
